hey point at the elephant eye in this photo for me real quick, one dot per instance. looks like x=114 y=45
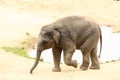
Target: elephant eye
x=48 y=34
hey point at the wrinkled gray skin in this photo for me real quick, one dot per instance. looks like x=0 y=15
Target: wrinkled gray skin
x=69 y=34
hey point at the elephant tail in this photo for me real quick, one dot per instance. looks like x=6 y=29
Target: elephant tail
x=100 y=42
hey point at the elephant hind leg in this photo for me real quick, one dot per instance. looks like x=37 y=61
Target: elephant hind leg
x=86 y=61
x=94 y=59
x=86 y=49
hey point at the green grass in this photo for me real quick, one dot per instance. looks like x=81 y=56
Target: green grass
x=27 y=33
x=17 y=50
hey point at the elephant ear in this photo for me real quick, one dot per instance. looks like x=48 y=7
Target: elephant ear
x=56 y=36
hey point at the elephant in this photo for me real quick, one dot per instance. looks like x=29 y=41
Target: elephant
x=68 y=34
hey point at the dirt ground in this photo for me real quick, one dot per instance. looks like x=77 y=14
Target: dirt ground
x=14 y=67
x=19 y=17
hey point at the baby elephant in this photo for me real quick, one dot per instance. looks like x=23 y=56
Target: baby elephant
x=69 y=34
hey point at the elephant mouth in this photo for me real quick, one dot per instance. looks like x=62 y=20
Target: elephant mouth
x=47 y=45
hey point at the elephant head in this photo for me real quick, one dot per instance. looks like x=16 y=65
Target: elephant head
x=47 y=38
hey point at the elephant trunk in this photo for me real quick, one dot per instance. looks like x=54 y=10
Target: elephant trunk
x=36 y=60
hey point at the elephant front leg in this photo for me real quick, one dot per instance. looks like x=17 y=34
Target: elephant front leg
x=68 y=58
x=56 y=57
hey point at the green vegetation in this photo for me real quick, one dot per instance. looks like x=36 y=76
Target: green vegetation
x=17 y=50
x=27 y=33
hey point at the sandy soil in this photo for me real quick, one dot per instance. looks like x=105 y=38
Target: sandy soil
x=14 y=67
x=18 y=17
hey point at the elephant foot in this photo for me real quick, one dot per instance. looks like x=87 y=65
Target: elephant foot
x=74 y=63
x=83 y=68
x=56 y=69
x=71 y=63
x=94 y=67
